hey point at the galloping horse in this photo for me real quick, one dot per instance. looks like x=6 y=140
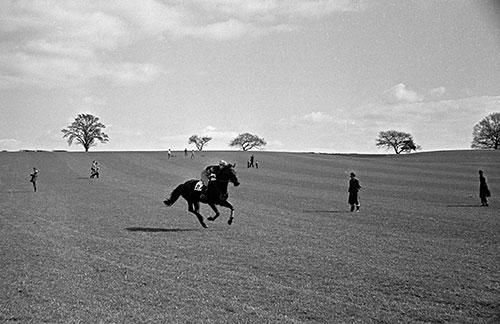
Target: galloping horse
x=216 y=194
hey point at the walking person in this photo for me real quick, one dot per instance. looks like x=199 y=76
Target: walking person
x=484 y=191
x=94 y=170
x=353 y=190
x=192 y=154
x=34 y=178
x=169 y=153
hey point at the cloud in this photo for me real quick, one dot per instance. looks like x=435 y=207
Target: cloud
x=437 y=92
x=317 y=117
x=230 y=29
x=213 y=132
x=434 y=124
x=307 y=119
x=400 y=94
x=56 y=43
x=270 y=9
x=9 y=144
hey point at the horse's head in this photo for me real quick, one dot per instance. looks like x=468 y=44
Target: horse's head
x=228 y=174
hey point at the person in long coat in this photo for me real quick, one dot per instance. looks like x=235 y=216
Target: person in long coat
x=484 y=191
x=353 y=190
x=34 y=178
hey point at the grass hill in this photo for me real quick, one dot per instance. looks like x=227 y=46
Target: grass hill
x=108 y=251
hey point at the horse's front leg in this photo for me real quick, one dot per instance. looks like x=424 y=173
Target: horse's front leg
x=214 y=208
x=195 y=209
x=227 y=204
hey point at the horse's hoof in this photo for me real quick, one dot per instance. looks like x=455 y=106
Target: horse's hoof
x=230 y=221
x=204 y=225
x=210 y=219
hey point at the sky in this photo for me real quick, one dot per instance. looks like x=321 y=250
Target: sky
x=305 y=75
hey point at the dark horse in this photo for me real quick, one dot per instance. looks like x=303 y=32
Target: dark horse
x=216 y=194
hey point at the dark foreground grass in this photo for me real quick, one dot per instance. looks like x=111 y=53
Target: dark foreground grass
x=109 y=251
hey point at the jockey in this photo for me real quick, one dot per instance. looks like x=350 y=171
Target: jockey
x=208 y=174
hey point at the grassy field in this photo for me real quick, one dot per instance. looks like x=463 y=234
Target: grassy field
x=108 y=251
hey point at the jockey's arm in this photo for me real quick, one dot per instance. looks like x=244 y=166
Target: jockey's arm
x=210 y=172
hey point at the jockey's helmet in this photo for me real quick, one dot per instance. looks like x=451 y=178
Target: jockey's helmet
x=223 y=164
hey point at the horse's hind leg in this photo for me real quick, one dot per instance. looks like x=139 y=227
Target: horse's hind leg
x=195 y=209
x=217 y=214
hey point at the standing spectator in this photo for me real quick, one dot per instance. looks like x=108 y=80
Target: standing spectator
x=484 y=191
x=169 y=153
x=34 y=178
x=251 y=165
x=354 y=188
x=185 y=152
x=192 y=154
x=94 y=170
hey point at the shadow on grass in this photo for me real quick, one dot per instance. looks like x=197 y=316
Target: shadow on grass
x=326 y=211
x=464 y=205
x=158 y=230
x=17 y=191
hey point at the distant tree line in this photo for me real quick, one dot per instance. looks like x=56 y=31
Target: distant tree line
x=485 y=135
x=86 y=130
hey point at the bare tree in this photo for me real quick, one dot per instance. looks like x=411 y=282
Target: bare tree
x=248 y=141
x=200 y=142
x=85 y=130
x=399 y=141
x=486 y=134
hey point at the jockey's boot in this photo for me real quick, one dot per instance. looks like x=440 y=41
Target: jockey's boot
x=203 y=195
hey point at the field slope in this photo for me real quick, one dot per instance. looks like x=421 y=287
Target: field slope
x=108 y=251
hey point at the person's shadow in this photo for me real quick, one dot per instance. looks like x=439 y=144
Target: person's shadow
x=325 y=211
x=159 y=230
x=463 y=205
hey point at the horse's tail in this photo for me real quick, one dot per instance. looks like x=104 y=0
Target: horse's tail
x=174 y=196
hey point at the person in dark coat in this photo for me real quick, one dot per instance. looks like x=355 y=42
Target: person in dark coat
x=94 y=170
x=484 y=191
x=34 y=178
x=354 y=188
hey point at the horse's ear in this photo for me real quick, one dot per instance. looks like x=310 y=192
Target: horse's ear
x=234 y=165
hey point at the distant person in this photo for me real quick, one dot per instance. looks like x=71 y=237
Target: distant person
x=169 y=153
x=484 y=191
x=256 y=164
x=192 y=154
x=34 y=178
x=94 y=170
x=354 y=188
x=185 y=152
x=251 y=162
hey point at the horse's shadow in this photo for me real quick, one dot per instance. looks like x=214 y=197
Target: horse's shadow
x=159 y=230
